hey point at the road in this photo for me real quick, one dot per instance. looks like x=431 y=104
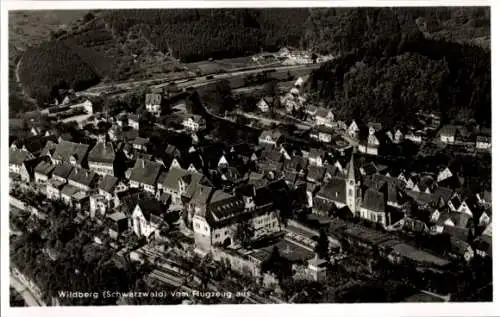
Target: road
x=25 y=292
x=194 y=82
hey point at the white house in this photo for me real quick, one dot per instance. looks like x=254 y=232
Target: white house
x=483 y=143
x=193 y=123
x=153 y=104
x=148 y=217
x=269 y=137
x=263 y=105
x=324 y=117
x=444 y=174
x=353 y=130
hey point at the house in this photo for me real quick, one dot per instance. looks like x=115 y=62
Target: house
x=59 y=178
x=194 y=123
x=324 y=117
x=218 y=223
x=353 y=130
x=101 y=158
x=483 y=142
x=414 y=136
x=43 y=171
x=71 y=152
x=270 y=137
x=145 y=174
x=316 y=157
x=373 y=207
x=74 y=197
x=118 y=224
x=140 y=144
x=447 y=134
x=370 y=146
x=18 y=159
x=133 y=121
x=263 y=105
x=83 y=179
x=106 y=197
x=148 y=217
x=154 y=104
x=180 y=183
x=324 y=134
x=444 y=174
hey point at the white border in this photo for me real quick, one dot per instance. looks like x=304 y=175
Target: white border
x=384 y=310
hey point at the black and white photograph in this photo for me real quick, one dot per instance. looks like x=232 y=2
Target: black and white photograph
x=248 y=155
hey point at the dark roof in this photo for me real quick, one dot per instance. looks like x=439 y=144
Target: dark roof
x=102 y=152
x=460 y=219
x=82 y=176
x=334 y=190
x=62 y=170
x=140 y=141
x=145 y=172
x=18 y=157
x=150 y=206
x=35 y=144
x=65 y=149
x=316 y=173
x=374 y=200
x=108 y=183
x=45 y=168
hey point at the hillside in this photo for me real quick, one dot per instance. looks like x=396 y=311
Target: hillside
x=396 y=77
x=198 y=34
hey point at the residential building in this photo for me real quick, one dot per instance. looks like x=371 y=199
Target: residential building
x=83 y=179
x=270 y=137
x=353 y=130
x=148 y=217
x=140 y=144
x=145 y=174
x=59 y=178
x=43 y=171
x=217 y=224
x=324 y=117
x=262 y=105
x=154 y=104
x=71 y=152
x=101 y=158
x=180 y=183
x=483 y=142
x=18 y=159
x=194 y=122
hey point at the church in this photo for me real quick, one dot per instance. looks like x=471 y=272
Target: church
x=369 y=199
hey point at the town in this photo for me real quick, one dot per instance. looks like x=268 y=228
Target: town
x=307 y=209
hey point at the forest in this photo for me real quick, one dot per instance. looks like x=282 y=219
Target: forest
x=54 y=65
x=398 y=73
x=193 y=35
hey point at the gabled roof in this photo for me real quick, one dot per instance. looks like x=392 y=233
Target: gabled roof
x=36 y=144
x=145 y=172
x=44 y=168
x=108 y=183
x=82 y=176
x=18 y=157
x=373 y=200
x=66 y=149
x=140 y=141
x=335 y=190
x=459 y=219
x=102 y=152
x=150 y=206
x=62 y=170
x=316 y=173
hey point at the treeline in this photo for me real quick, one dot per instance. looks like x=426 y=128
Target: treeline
x=198 y=34
x=54 y=65
x=390 y=78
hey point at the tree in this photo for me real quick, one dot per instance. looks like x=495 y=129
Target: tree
x=322 y=245
x=224 y=96
x=275 y=264
x=244 y=233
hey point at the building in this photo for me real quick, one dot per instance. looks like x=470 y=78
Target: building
x=145 y=175
x=180 y=183
x=105 y=198
x=154 y=104
x=83 y=179
x=353 y=130
x=270 y=137
x=101 y=158
x=59 y=178
x=483 y=143
x=71 y=152
x=218 y=223
x=140 y=144
x=194 y=123
x=18 y=159
x=317 y=269
x=447 y=134
x=324 y=117
x=43 y=171
x=148 y=217
x=133 y=121
x=262 y=105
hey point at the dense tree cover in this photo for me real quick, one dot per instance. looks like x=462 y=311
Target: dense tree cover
x=54 y=65
x=198 y=34
x=244 y=233
x=395 y=77
x=278 y=265
x=322 y=245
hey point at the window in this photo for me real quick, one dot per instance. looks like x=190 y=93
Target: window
x=217 y=236
x=380 y=218
x=197 y=226
x=350 y=192
x=206 y=228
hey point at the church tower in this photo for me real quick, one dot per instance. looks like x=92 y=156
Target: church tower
x=352 y=187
